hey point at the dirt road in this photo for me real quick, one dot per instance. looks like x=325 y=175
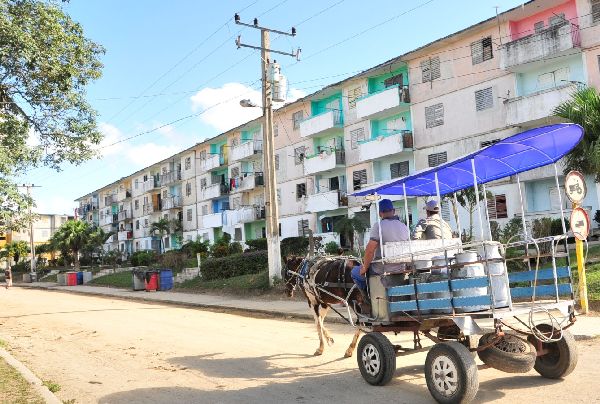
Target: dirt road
x=115 y=351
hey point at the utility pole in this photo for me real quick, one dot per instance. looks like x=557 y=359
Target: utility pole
x=31 y=243
x=271 y=206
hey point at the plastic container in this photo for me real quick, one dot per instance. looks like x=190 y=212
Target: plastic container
x=471 y=269
x=152 y=281
x=138 y=280
x=61 y=279
x=87 y=277
x=498 y=273
x=166 y=279
x=80 y=278
x=26 y=278
x=71 y=278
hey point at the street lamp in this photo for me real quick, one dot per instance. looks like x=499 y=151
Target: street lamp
x=246 y=103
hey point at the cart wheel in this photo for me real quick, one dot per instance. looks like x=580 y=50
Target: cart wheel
x=451 y=373
x=376 y=358
x=561 y=359
x=510 y=354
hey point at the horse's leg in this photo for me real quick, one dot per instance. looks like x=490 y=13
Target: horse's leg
x=316 y=309
x=322 y=315
x=352 y=346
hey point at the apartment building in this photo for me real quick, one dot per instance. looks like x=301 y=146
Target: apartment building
x=418 y=110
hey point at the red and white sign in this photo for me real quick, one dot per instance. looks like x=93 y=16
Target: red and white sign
x=575 y=187
x=580 y=223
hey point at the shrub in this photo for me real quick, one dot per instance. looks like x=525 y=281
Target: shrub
x=294 y=246
x=259 y=244
x=332 y=248
x=235 y=248
x=173 y=260
x=191 y=248
x=234 y=265
x=496 y=230
x=143 y=258
x=219 y=251
x=512 y=230
x=556 y=228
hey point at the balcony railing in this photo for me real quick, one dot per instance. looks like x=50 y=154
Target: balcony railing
x=324 y=201
x=211 y=162
x=385 y=144
x=149 y=185
x=214 y=191
x=552 y=42
x=324 y=161
x=172 y=202
x=539 y=105
x=124 y=215
x=385 y=102
x=147 y=209
x=125 y=235
x=247 y=182
x=321 y=124
x=109 y=200
x=170 y=177
x=245 y=150
x=212 y=220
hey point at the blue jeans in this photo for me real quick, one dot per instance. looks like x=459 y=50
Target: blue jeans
x=360 y=280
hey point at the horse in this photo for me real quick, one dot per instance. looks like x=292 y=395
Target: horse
x=322 y=280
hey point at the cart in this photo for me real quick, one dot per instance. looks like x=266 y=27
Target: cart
x=466 y=297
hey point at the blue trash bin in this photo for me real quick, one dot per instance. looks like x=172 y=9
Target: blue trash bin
x=80 y=278
x=166 y=279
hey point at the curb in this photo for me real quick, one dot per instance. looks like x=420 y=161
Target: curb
x=28 y=375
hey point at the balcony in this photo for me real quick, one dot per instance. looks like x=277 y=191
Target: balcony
x=390 y=101
x=211 y=162
x=124 y=215
x=106 y=220
x=559 y=40
x=245 y=150
x=385 y=144
x=109 y=200
x=214 y=191
x=125 y=235
x=172 y=202
x=149 y=185
x=212 y=220
x=324 y=161
x=538 y=105
x=247 y=182
x=324 y=201
x=147 y=209
x=170 y=178
x=322 y=124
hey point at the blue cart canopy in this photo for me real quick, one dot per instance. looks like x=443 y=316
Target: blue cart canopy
x=522 y=152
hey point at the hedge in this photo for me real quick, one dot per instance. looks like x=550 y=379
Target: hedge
x=234 y=265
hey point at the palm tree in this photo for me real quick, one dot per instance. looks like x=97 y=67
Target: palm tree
x=584 y=109
x=349 y=226
x=72 y=236
x=162 y=227
x=96 y=239
x=15 y=250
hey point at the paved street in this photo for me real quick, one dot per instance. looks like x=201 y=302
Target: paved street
x=115 y=351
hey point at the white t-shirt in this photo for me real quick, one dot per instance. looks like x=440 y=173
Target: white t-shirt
x=392 y=229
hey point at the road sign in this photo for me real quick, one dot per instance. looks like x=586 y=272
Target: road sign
x=575 y=187
x=580 y=223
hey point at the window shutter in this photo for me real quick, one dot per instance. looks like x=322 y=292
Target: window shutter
x=488 y=143
x=296 y=118
x=430 y=69
x=491 y=208
x=595 y=11
x=434 y=115
x=445 y=211
x=484 y=99
x=353 y=95
x=189 y=215
x=356 y=136
x=501 y=210
x=277 y=162
x=299 y=154
x=235 y=172
x=400 y=169
x=300 y=190
x=481 y=50
x=538 y=26
x=436 y=159
x=359 y=178
x=393 y=81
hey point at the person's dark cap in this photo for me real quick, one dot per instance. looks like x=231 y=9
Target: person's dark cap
x=385 y=205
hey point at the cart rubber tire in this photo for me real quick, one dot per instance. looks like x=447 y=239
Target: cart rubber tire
x=451 y=373
x=376 y=358
x=561 y=360
x=511 y=354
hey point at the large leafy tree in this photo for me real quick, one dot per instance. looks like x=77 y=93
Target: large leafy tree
x=45 y=65
x=15 y=250
x=73 y=236
x=583 y=108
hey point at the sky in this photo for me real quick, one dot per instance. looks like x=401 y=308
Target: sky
x=173 y=76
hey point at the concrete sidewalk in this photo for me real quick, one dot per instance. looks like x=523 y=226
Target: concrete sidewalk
x=586 y=327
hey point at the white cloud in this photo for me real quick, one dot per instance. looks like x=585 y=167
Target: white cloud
x=146 y=154
x=112 y=134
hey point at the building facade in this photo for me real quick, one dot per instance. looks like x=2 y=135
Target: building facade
x=421 y=109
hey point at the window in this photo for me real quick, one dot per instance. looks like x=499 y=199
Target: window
x=205 y=237
x=394 y=81
x=400 y=169
x=481 y=50
x=359 y=178
x=167 y=242
x=164 y=170
x=296 y=118
x=595 y=11
x=430 y=69
x=299 y=154
x=188 y=163
x=300 y=190
x=202 y=183
x=558 y=19
x=445 y=211
x=436 y=159
x=434 y=115
x=136 y=204
x=235 y=172
x=202 y=155
x=356 y=136
x=279 y=196
x=538 y=26
x=188 y=189
x=204 y=210
x=496 y=206
x=277 y=161
x=188 y=215
x=353 y=95
x=484 y=99
x=166 y=216
x=164 y=194
x=235 y=141
x=487 y=143
x=146 y=222
x=237 y=234
x=145 y=178
x=136 y=184
x=236 y=203
x=303 y=227
x=275 y=130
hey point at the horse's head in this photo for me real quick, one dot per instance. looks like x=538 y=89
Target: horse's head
x=292 y=265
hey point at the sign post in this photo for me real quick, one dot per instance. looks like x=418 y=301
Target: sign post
x=576 y=189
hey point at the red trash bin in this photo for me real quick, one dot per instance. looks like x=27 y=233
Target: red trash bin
x=151 y=281
x=71 y=278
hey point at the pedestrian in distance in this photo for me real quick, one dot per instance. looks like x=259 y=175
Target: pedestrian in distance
x=8 y=276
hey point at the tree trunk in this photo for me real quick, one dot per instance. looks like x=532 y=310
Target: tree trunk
x=76 y=260
x=471 y=224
